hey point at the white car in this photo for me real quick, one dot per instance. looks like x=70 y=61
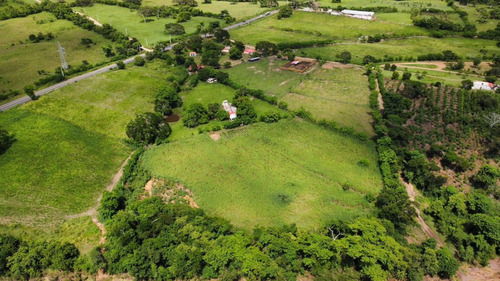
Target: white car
x=211 y=80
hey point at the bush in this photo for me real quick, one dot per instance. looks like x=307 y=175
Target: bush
x=139 y=61
x=6 y=140
x=285 y=12
x=174 y=29
x=266 y=48
x=120 y=65
x=148 y=128
x=486 y=176
x=270 y=117
x=345 y=57
x=30 y=92
x=195 y=115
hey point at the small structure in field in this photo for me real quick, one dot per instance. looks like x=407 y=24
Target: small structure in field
x=193 y=54
x=479 y=85
x=229 y=109
x=249 y=51
x=226 y=49
x=358 y=14
x=211 y=80
x=299 y=64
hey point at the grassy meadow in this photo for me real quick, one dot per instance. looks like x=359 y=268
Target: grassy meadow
x=271 y=174
x=305 y=26
x=433 y=76
x=405 y=6
x=69 y=145
x=130 y=22
x=411 y=47
x=20 y=59
x=338 y=94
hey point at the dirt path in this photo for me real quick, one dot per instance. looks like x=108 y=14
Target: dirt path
x=92 y=211
x=379 y=97
x=91 y=19
x=412 y=193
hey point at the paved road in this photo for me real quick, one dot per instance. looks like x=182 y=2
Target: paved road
x=42 y=92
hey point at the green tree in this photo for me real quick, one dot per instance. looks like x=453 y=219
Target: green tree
x=447 y=264
x=345 y=57
x=395 y=205
x=195 y=115
x=30 y=92
x=266 y=48
x=285 y=12
x=221 y=35
x=467 y=84
x=235 y=53
x=139 y=61
x=183 y=17
x=148 y=128
x=406 y=76
x=6 y=140
x=120 y=65
x=395 y=75
x=174 y=29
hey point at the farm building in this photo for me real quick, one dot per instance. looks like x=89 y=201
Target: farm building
x=358 y=14
x=479 y=85
x=226 y=49
x=192 y=54
x=249 y=51
x=230 y=109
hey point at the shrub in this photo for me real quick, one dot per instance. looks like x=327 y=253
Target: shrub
x=174 y=29
x=195 y=115
x=6 y=140
x=139 y=61
x=120 y=65
x=285 y=12
x=270 y=117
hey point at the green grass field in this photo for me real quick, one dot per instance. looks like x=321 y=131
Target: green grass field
x=21 y=59
x=430 y=76
x=130 y=22
x=405 y=6
x=304 y=26
x=70 y=144
x=271 y=174
x=411 y=47
x=339 y=95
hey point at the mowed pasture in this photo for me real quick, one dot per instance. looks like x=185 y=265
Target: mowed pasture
x=21 y=59
x=272 y=174
x=405 y=48
x=69 y=145
x=307 y=26
x=130 y=22
x=337 y=94
x=405 y=6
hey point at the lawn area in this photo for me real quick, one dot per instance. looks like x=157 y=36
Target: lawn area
x=405 y=6
x=305 y=26
x=405 y=48
x=130 y=22
x=20 y=59
x=339 y=95
x=477 y=12
x=239 y=10
x=431 y=76
x=261 y=175
x=69 y=145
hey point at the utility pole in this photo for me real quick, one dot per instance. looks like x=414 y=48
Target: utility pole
x=147 y=44
x=62 y=53
x=126 y=32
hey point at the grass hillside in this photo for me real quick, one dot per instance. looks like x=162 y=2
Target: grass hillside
x=271 y=174
x=20 y=59
x=131 y=23
x=69 y=145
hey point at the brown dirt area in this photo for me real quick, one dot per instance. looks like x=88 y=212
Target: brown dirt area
x=215 y=136
x=332 y=65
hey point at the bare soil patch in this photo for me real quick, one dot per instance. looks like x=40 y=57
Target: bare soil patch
x=333 y=65
x=215 y=136
x=303 y=65
x=172 y=118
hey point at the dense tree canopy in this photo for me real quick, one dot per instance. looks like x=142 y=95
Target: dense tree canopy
x=148 y=128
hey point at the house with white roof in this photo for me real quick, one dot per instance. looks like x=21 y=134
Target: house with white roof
x=358 y=14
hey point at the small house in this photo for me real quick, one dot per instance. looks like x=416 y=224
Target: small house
x=230 y=109
x=358 y=14
x=211 y=80
x=193 y=54
x=226 y=49
x=479 y=85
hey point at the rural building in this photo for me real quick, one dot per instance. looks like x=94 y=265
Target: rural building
x=230 y=109
x=479 y=85
x=226 y=49
x=211 y=80
x=192 y=54
x=249 y=51
x=358 y=14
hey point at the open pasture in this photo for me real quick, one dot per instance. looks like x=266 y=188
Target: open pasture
x=131 y=23
x=21 y=59
x=338 y=94
x=69 y=145
x=405 y=48
x=261 y=175
x=405 y=6
x=307 y=26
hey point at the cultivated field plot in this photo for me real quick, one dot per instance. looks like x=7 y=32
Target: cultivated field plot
x=299 y=65
x=338 y=94
x=260 y=175
x=21 y=59
x=239 y=10
x=306 y=26
x=433 y=76
x=131 y=23
x=69 y=145
x=406 y=48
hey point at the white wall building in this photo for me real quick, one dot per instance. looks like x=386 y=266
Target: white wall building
x=479 y=85
x=359 y=14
